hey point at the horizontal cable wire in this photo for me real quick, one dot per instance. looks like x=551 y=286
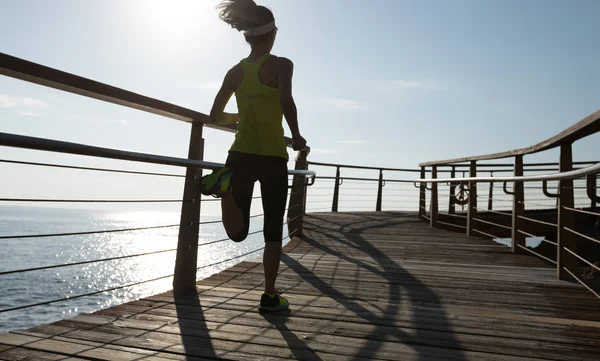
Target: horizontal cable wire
x=582 y=211
x=93 y=169
x=539 y=204
x=582 y=235
x=124 y=286
x=249 y=234
x=536 y=254
x=106 y=231
x=86 y=233
x=485 y=234
x=86 y=262
x=240 y=256
x=83 y=295
x=581 y=282
x=219 y=199
x=583 y=259
x=492 y=223
x=357 y=195
x=225 y=239
x=538 y=221
x=452 y=215
x=495 y=212
x=231 y=259
x=452 y=224
x=495 y=199
x=543 y=239
x=91 y=200
x=113 y=258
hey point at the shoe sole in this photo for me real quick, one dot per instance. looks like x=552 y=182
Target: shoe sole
x=211 y=190
x=273 y=309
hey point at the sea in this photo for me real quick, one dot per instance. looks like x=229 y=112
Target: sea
x=38 y=286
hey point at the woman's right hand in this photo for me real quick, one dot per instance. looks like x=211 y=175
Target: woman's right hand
x=298 y=142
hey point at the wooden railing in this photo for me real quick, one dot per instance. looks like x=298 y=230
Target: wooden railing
x=404 y=187
x=566 y=219
x=185 y=268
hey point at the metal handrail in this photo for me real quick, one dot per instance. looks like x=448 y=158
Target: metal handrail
x=362 y=167
x=55 y=165
x=26 y=142
x=531 y=178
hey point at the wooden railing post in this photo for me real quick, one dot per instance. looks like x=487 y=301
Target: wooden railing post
x=186 y=260
x=422 y=195
x=592 y=190
x=452 y=196
x=434 y=199
x=518 y=238
x=297 y=202
x=491 y=194
x=336 y=191
x=472 y=206
x=379 y=191
x=565 y=217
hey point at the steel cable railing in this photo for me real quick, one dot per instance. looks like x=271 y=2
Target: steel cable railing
x=43 y=200
x=87 y=233
x=126 y=285
x=114 y=258
x=92 y=169
x=120 y=258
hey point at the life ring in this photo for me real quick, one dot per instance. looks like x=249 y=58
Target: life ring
x=462 y=196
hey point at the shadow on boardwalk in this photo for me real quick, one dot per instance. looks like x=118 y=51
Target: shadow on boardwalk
x=350 y=235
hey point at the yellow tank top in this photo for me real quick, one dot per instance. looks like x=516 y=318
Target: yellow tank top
x=260 y=129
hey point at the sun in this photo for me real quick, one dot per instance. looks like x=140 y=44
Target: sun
x=174 y=20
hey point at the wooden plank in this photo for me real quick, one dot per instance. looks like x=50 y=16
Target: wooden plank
x=273 y=342
x=19 y=354
x=269 y=337
x=404 y=314
x=528 y=303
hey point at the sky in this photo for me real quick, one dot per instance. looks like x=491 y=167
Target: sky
x=384 y=82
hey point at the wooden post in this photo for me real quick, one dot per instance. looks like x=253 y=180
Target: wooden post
x=379 y=191
x=518 y=238
x=295 y=216
x=592 y=190
x=491 y=194
x=452 y=199
x=472 y=206
x=186 y=260
x=422 y=195
x=463 y=206
x=566 y=217
x=434 y=199
x=336 y=191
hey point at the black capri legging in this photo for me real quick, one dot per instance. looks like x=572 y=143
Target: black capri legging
x=271 y=172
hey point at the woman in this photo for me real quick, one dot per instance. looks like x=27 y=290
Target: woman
x=262 y=84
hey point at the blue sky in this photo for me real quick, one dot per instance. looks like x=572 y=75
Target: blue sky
x=387 y=83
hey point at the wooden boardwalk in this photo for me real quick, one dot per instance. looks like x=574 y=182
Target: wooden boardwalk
x=362 y=286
